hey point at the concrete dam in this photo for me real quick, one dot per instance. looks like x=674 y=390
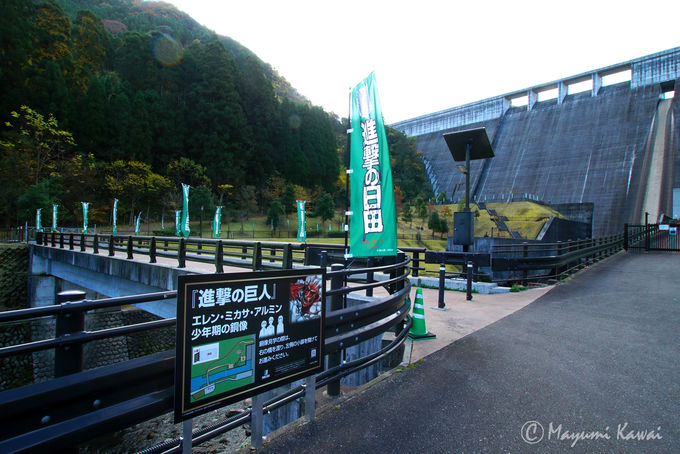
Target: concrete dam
x=611 y=147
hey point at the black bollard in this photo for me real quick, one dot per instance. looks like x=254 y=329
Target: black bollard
x=469 y=281
x=442 y=277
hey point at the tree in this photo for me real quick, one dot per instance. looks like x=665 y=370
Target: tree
x=324 y=207
x=187 y=171
x=135 y=183
x=421 y=210
x=39 y=142
x=434 y=222
x=274 y=213
x=443 y=226
x=288 y=199
x=407 y=214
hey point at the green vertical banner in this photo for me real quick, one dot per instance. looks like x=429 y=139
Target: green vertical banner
x=302 y=230
x=54 y=218
x=137 y=222
x=178 y=221
x=115 y=216
x=184 y=226
x=373 y=224
x=38 y=223
x=217 y=221
x=85 y=205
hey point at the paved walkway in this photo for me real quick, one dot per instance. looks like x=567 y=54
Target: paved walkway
x=591 y=366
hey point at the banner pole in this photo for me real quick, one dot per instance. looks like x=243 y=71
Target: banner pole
x=349 y=145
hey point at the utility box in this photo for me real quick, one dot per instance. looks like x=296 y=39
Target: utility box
x=463 y=228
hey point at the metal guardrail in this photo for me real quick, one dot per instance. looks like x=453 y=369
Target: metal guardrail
x=81 y=405
x=256 y=255
x=549 y=260
x=652 y=237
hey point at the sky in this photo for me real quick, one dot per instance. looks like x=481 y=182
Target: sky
x=433 y=55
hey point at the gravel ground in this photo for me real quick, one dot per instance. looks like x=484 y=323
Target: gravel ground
x=161 y=429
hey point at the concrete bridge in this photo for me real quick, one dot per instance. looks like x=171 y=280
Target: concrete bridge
x=606 y=137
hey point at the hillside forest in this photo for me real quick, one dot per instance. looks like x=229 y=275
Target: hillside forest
x=128 y=99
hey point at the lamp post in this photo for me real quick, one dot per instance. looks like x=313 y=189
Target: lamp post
x=465 y=146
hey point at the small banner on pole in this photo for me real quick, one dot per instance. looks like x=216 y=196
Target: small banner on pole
x=184 y=227
x=85 y=205
x=38 y=223
x=217 y=221
x=115 y=219
x=302 y=231
x=373 y=225
x=54 y=218
x=178 y=221
x=137 y=222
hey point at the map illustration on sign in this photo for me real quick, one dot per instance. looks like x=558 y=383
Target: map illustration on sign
x=221 y=366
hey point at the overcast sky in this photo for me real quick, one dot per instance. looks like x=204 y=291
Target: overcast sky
x=433 y=55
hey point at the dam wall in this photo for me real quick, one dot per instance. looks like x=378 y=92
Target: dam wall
x=591 y=147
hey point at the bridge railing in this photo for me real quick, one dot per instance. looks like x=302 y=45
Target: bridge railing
x=77 y=406
x=520 y=262
x=552 y=260
x=256 y=255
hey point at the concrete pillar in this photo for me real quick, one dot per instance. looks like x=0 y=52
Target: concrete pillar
x=561 y=91
x=532 y=99
x=597 y=83
x=42 y=290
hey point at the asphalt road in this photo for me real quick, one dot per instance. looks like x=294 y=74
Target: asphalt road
x=592 y=366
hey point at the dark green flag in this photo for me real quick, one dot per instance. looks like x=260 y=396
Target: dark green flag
x=373 y=224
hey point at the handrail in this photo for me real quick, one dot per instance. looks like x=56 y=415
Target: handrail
x=345 y=327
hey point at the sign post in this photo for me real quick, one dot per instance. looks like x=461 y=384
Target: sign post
x=240 y=334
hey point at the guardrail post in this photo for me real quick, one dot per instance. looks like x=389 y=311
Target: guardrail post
x=416 y=263
x=369 y=276
x=219 y=259
x=647 y=237
x=186 y=440
x=256 y=421
x=310 y=397
x=182 y=253
x=442 y=283
x=244 y=252
x=200 y=246
x=272 y=253
x=54 y=239
x=61 y=240
x=469 y=281
x=111 y=246
x=287 y=260
x=130 y=256
x=70 y=242
x=257 y=256
x=401 y=257
x=152 y=250
x=68 y=359
x=95 y=244
x=335 y=358
x=558 y=268
x=82 y=242
x=165 y=245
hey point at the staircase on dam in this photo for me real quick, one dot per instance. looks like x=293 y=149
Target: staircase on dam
x=613 y=148
x=657 y=163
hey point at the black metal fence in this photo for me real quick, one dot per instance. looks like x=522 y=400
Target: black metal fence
x=256 y=255
x=651 y=237
x=77 y=406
